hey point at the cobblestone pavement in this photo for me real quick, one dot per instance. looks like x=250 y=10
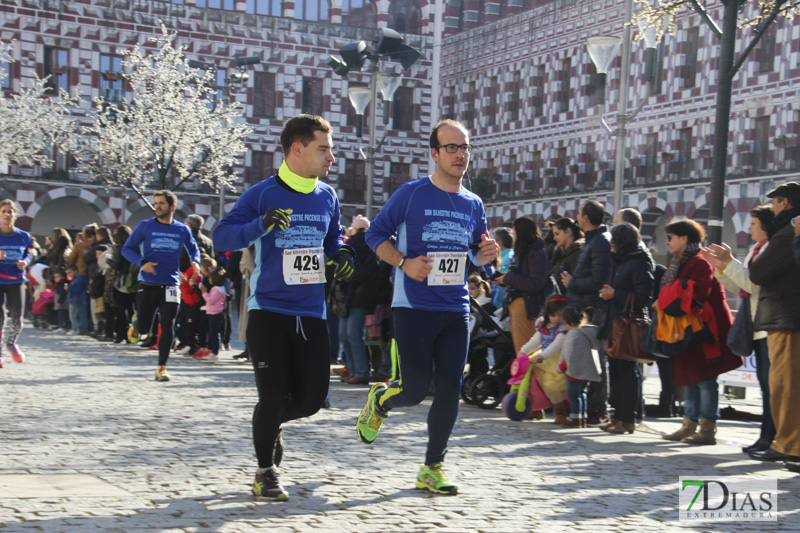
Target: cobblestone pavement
x=177 y=456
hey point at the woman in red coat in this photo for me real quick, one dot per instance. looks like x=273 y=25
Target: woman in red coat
x=699 y=365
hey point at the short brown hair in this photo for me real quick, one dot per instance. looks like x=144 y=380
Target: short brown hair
x=301 y=129
x=686 y=227
x=169 y=195
x=631 y=216
x=446 y=122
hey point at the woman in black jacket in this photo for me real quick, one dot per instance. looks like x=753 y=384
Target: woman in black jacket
x=633 y=274
x=525 y=280
x=569 y=240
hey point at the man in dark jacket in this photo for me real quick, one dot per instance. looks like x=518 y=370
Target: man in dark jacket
x=778 y=313
x=361 y=297
x=195 y=223
x=97 y=281
x=797 y=240
x=583 y=288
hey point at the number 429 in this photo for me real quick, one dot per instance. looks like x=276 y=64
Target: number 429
x=306 y=263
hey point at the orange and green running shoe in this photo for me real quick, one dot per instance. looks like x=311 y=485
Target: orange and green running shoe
x=434 y=479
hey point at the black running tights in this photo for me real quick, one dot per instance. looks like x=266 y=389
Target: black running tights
x=152 y=298
x=291 y=360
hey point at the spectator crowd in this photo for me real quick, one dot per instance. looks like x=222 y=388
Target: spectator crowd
x=561 y=293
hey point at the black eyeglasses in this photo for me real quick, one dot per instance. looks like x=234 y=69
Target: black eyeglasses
x=453 y=148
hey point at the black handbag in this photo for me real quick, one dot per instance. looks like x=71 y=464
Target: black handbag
x=740 y=336
x=651 y=343
x=337 y=300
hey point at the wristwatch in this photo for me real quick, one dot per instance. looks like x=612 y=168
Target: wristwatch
x=402 y=261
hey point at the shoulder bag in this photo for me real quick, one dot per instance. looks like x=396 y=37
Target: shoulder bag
x=628 y=334
x=740 y=336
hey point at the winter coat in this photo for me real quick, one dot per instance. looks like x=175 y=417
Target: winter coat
x=566 y=258
x=76 y=255
x=776 y=271
x=692 y=366
x=736 y=276
x=530 y=276
x=76 y=291
x=90 y=258
x=592 y=271
x=796 y=245
x=362 y=288
x=633 y=272
x=577 y=357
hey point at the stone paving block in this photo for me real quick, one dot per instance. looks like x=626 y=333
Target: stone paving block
x=183 y=452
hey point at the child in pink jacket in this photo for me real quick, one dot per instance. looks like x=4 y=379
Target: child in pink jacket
x=215 y=304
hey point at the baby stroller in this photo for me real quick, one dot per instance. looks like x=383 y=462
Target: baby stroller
x=485 y=386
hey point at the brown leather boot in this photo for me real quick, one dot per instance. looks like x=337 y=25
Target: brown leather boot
x=610 y=425
x=688 y=428
x=535 y=415
x=573 y=423
x=706 y=434
x=622 y=427
x=560 y=413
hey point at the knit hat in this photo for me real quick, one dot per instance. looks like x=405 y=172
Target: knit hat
x=360 y=222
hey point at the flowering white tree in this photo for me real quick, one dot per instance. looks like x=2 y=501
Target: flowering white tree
x=171 y=131
x=736 y=16
x=32 y=122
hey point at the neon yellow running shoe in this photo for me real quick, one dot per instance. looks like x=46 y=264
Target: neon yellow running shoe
x=434 y=479
x=161 y=374
x=370 y=420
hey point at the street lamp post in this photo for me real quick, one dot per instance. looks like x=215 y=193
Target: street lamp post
x=232 y=82
x=389 y=43
x=602 y=50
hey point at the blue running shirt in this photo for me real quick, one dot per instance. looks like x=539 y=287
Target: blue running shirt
x=16 y=246
x=314 y=224
x=155 y=242
x=428 y=219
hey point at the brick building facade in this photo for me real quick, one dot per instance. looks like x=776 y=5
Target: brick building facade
x=516 y=72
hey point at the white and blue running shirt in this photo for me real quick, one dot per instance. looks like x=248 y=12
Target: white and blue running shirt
x=427 y=219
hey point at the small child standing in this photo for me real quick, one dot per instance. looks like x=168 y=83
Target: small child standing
x=78 y=301
x=207 y=265
x=61 y=304
x=580 y=361
x=215 y=304
x=543 y=349
x=189 y=311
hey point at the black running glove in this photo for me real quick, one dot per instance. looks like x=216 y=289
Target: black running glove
x=345 y=264
x=275 y=216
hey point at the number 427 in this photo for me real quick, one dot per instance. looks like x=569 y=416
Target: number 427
x=448 y=266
